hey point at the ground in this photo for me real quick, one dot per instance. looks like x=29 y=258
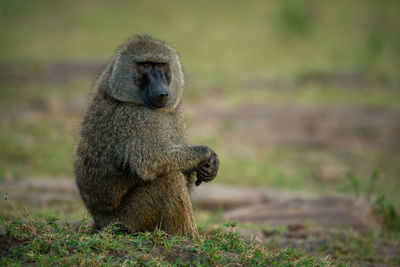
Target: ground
x=299 y=99
x=343 y=228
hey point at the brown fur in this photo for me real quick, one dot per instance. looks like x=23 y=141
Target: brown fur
x=133 y=164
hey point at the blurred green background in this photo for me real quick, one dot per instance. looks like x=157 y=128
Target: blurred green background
x=299 y=95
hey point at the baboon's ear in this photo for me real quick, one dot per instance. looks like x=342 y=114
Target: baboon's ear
x=120 y=83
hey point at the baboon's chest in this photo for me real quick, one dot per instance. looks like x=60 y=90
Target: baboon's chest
x=159 y=127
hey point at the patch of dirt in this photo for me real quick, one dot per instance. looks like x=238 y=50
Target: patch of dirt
x=7 y=242
x=297 y=126
x=216 y=196
x=121 y=254
x=284 y=208
x=327 y=212
x=175 y=255
x=262 y=206
x=58 y=72
x=39 y=191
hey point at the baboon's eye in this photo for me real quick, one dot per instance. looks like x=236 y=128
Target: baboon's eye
x=145 y=64
x=160 y=65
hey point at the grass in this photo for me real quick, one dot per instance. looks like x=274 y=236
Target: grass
x=388 y=213
x=49 y=244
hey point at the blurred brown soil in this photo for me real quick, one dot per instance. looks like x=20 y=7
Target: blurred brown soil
x=7 y=242
x=58 y=72
x=298 y=126
x=260 y=206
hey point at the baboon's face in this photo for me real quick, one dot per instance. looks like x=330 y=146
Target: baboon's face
x=144 y=71
x=153 y=79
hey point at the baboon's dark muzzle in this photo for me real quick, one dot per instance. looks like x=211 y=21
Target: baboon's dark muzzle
x=156 y=93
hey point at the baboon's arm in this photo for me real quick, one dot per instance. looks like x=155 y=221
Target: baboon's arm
x=149 y=164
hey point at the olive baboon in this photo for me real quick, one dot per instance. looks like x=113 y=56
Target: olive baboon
x=133 y=164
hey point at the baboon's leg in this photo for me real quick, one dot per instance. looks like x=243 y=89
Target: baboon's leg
x=103 y=219
x=164 y=203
